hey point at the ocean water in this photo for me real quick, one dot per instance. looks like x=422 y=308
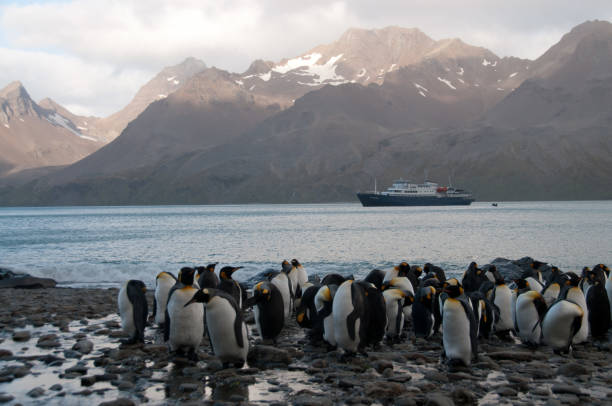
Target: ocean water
x=104 y=246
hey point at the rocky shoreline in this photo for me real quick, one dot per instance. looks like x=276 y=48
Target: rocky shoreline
x=61 y=346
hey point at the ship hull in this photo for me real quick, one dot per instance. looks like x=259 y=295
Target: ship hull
x=377 y=199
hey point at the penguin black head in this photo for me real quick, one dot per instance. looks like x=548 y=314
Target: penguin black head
x=522 y=286
x=186 y=275
x=416 y=270
x=227 y=271
x=295 y=262
x=286 y=266
x=426 y=294
x=453 y=288
x=473 y=267
x=211 y=267
x=402 y=269
x=571 y=279
x=262 y=292
x=499 y=279
x=199 y=271
x=585 y=271
x=201 y=296
x=136 y=285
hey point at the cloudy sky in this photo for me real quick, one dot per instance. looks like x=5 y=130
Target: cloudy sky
x=93 y=55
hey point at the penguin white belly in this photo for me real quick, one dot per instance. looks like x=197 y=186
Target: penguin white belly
x=328 y=330
x=281 y=282
x=302 y=277
x=162 y=289
x=576 y=296
x=503 y=300
x=342 y=307
x=220 y=317
x=126 y=311
x=186 y=323
x=293 y=277
x=390 y=274
x=456 y=331
x=527 y=318
x=556 y=326
x=392 y=312
x=551 y=294
x=534 y=284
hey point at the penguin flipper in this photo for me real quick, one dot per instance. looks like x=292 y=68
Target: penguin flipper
x=473 y=327
x=167 y=327
x=154 y=307
x=140 y=315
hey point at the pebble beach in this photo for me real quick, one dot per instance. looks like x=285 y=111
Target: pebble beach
x=62 y=346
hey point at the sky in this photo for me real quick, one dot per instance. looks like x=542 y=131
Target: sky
x=92 y=56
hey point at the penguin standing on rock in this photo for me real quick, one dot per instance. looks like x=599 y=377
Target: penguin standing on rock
x=226 y=328
x=184 y=325
x=163 y=283
x=574 y=294
x=530 y=311
x=501 y=296
x=561 y=323
x=459 y=335
x=283 y=283
x=306 y=311
x=302 y=277
x=348 y=312
x=229 y=285
x=133 y=310
x=324 y=324
x=423 y=308
x=598 y=304
x=473 y=277
x=269 y=312
x=551 y=291
x=394 y=301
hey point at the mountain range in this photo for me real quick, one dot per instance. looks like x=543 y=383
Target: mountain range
x=376 y=104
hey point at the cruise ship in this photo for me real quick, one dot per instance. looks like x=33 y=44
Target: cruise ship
x=404 y=193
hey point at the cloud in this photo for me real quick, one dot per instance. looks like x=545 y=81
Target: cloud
x=110 y=48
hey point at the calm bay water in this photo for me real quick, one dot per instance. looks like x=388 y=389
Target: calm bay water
x=103 y=246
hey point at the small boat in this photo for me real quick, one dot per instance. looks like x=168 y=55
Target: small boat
x=494 y=204
x=404 y=193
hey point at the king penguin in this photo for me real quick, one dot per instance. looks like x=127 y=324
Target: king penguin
x=133 y=310
x=574 y=294
x=551 y=291
x=459 y=335
x=229 y=285
x=501 y=296
x=394 y=301
x=598 y=304
x=163 y=283
x=473 y=277
x=302 y=278
x=423 y=318
x=282 y=282
x=268 y=311
x=184 y=325
x=530 y=311
x=325 y=322
x=348 y=312
x=207 y=278
x=561 y=323
x=226 y=327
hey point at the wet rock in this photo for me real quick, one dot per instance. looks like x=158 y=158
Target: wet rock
x=565 y=388
x=573 y=369
x=308 y=398
x=118 y=402
x=517 y=355
x=20 y=372
x=5 y=353
x=384 y=390
x=405 y=401
x=125 y=385
x=88 y=380
x=23 y=335
x=27 y=282
x=36 y=392
x=71 y=354
x=48 y=341
x=83 y=346
x=77 y=369
x=4 y=398
x=438 y=399
x=382 y=364
x=188 y=387
x=462 y=396
x=57 y=387
x=507 y=391
x=319 y=363
x=263 y=355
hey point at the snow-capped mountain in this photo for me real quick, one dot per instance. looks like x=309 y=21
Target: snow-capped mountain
x=33 y=136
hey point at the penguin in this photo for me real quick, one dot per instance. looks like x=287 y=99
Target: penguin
x=302 y=277
x=348 y=312
x=229 y=285
x=520 y=286
x=585 y=283
x=325 y=322
x=608 y=287
x=375 y=316
x=282 y=282
x=306 y=311
x=269 y=311
x=459 y=335
x=530 y=310
x=404 y=284
x=439 y=272
x=574 y=294
x=413 y=274
x=292 y=274
x=335 y=279
x=501 y=296
x=163 y=283
x=485 y=313
x=551 y=291
x=206 y=276
x=226 y=327
x=184 y=325
x=473 y=277
x=399 y=270
x=376 y=277
x=423 y=318
x=133 y=310
x=533 y=281
x=598 y=305
x=394 y=301
x=560 y=324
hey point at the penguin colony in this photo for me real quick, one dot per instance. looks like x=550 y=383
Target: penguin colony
x=339 y=312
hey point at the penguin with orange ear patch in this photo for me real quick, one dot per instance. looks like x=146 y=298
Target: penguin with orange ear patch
x=269 y=310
